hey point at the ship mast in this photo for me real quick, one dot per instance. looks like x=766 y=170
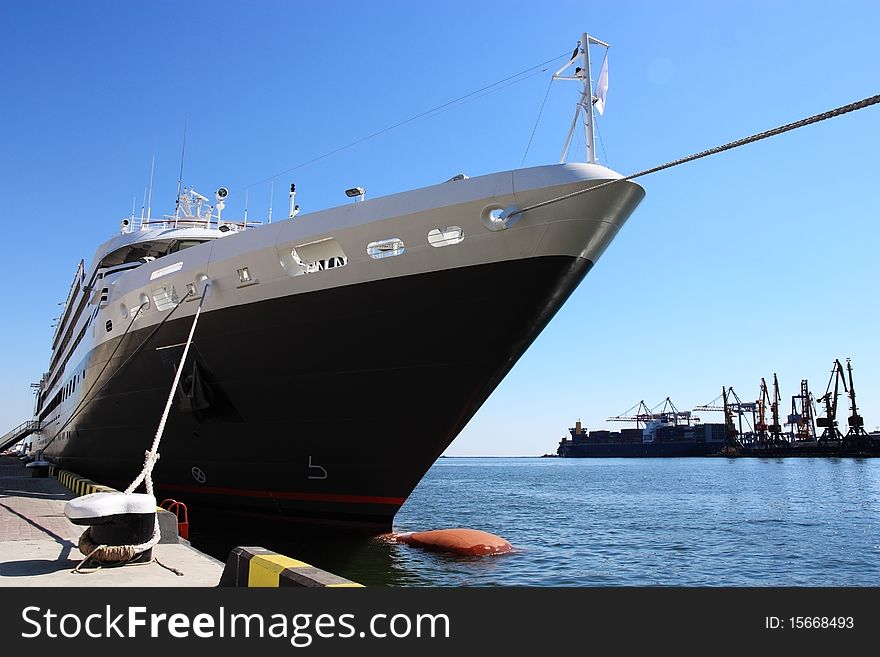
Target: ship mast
x=583 y=75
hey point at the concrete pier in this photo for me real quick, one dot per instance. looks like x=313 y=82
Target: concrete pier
x=38 y=542
x=38 y=545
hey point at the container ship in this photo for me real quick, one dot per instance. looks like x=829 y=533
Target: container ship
x=659 y=438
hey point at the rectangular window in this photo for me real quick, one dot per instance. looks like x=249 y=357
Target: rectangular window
x=313 y=257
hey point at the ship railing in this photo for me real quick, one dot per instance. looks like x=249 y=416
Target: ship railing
x=238 y=225
x=19 y=432
x=170 y=222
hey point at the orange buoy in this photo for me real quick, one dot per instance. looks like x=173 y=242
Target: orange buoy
x=472 y=542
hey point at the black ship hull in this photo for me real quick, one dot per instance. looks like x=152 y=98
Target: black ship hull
x=325 y=407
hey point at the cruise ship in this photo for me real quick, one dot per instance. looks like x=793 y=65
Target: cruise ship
x=338 y=353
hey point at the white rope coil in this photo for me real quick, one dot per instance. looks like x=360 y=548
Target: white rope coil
x=114 y=554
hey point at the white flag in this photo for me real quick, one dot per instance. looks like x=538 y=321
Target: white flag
x=602 y=87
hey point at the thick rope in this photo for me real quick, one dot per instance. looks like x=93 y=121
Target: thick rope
x=152 y=455
x=113 y=554
x=82 y=401
x=122 y=554
x=117 y=555
x=85 y=400
x=816 y=118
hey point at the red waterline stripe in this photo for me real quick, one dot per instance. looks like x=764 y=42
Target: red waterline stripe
x=285 y=495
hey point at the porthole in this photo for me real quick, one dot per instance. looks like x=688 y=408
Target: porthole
x=445 y=236
x=393 y=246
x=109 y=325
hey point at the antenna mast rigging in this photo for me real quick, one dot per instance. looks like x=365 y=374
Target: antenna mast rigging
x=582 y=74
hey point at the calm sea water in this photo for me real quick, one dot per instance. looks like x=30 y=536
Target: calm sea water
x=619 y=522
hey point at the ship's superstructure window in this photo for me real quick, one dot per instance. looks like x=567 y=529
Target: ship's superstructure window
x=165 y=297
x=313 y=257
x=109 y=325
x=393 y=246
x=142 y=252
x=445 y=236
x=180 y=245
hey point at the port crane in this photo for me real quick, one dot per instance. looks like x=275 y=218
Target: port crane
x=761 y=424
x=802 y=417
x=769 y=434
x=737 y=406
x=830 y=432
x=743 y=409
x=726 y=408
x=668 y=413
x=776 y=428
x=762 y=403
x=642 y=415
x=856 y=436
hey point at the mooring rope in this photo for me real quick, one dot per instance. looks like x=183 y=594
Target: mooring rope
x=123 y=554
x=816 y=118
x=113 y=554
x=116 y=555
x=82 y=401
x=152 y=454
x=88 y=400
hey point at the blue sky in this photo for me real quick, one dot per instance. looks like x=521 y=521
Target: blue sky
x=756 y=261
